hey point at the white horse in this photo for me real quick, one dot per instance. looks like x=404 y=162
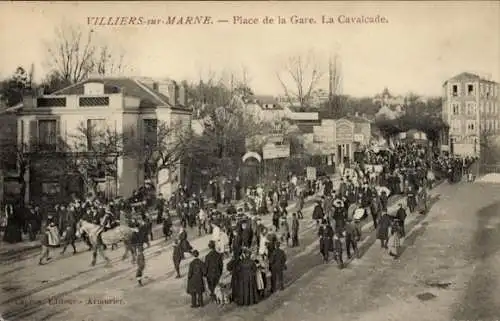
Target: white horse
x=99 y=238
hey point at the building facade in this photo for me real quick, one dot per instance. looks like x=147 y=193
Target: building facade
x=127 y=106
x=264 y=108
x=339 y=139
x=471 y=109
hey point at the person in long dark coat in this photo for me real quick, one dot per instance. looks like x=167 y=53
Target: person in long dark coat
x=246 y=235
x=401 y=216
x=248 y=293
x=69 y=234
x=295 y=230
x=214 y=265
x=383 y=229
x=237 y=244
x=325 y=234
x=276 y=218
x=183 y=241
x=318 y=213
x=277 y=265
x=232 y=267
x=167 y=226
x=13 y=230
x=195 y=283
x=177 y=256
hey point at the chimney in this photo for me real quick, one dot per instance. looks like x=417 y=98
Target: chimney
x=29 y=100
x=182 y=95
x=172 y=93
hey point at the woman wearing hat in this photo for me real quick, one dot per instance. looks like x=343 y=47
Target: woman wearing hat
x=248 y=293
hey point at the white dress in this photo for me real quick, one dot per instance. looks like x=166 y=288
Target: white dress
x=223 y=244
x=262 y=245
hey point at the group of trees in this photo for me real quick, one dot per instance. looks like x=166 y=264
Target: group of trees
x=217 y=100
x=73 y=55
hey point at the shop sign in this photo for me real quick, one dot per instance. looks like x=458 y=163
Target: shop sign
x=344 y=131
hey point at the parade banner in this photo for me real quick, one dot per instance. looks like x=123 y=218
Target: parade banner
x=273 y=151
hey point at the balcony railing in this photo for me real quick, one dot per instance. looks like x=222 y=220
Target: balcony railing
x=93 y=101
x=51 y=102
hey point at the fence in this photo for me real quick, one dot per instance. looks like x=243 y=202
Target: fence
x=489 y=168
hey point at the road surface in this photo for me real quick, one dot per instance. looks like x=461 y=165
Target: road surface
x=446 y=272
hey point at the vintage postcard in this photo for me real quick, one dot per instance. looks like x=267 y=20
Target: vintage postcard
x=274 y=160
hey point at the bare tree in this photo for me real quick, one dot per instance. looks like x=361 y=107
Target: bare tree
x=75 y=54
x=94 y=154
x=489 y=146
x=162 y=147
x=299 y=77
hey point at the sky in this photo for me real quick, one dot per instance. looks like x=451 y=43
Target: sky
x=422 y=45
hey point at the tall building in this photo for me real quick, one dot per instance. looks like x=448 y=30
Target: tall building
x=471 y=109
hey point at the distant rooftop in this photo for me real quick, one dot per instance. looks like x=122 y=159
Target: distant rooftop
x=468 y=76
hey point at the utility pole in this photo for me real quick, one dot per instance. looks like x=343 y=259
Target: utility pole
x=330 y=85
x=334 y=85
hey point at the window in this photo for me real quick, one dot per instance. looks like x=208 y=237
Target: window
x=96 y=130
x=470 y=89
x=470 y=125
x=471 y=108
x=481 y=107
x=454 y=90
x=455 y=108
x=455 y=125
x=150 y=132
x=47 y=135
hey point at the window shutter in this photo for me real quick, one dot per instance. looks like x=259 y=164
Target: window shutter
x=33 y=132
x=58 y=134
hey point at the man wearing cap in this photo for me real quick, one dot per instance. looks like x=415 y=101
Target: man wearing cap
x=195 y=284
x=214 y=266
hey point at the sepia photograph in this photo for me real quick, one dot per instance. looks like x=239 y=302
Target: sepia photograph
x=250 y=161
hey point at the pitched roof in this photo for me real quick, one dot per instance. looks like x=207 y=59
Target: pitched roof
x=356 y=119
x=129 y=86
x=266 y=100
x=467 y=76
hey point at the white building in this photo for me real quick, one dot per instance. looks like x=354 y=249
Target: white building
x=471 y=108
x=125 y=105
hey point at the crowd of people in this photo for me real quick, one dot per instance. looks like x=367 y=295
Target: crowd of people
x=257 y=260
